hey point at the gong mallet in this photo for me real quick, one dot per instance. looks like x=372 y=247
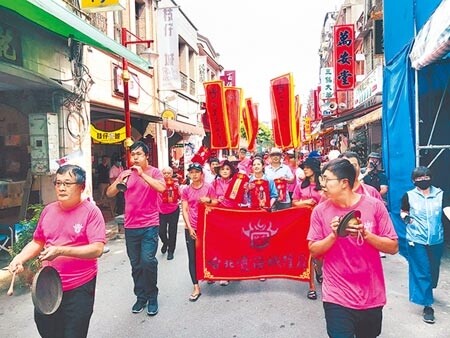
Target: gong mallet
x=11 y=287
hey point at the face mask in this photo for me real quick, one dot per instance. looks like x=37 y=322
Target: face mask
x=425 y=184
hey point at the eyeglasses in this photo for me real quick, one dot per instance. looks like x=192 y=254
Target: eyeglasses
x=324 y=180
x=64 y=184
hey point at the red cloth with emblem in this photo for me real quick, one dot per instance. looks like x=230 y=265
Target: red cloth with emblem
x=236 y=188
x=281 y=185
x=260 y=194
x=252 y=244
x=171 y=194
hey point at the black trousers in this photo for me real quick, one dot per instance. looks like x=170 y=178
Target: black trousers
x=190 y=244
x=343 y=322
x=72 y=318
x=168 y=225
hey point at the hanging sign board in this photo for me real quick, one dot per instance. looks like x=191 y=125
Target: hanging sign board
x=102 y=5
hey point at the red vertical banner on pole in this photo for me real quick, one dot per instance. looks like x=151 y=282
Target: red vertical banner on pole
x=344 y=57
x=283 y=114
x=217 y=115
x=233 y=100
x=250 y=119
x=296 y=134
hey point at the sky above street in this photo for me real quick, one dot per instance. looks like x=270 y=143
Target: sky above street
x=262 y=40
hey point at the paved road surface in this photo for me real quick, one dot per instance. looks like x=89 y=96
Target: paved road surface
x=246 y=309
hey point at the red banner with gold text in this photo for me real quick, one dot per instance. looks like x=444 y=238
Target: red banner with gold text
x=249 y=244
x=233 y=100
x=217 y=115
x=344 y=57
x=251 y=123
x=283 y=111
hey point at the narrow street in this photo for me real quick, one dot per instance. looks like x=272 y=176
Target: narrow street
x=245 y=309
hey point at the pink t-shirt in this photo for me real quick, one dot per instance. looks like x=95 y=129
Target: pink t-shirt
x=192 y=196
x=245 y=166
x=141 y=201
x=306 y=193
x=368 y=190
x=220 y=187
x=353 y=274
x=79 y=226
x=291 y=186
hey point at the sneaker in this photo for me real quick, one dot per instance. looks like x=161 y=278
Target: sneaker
x=382 y=255
x=169 y=256
x=223 y=283
x=428 y=315
x=152 y=307
x=138 y=306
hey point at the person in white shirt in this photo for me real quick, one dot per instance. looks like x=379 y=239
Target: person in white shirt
x=208 y=169
x=277 y=170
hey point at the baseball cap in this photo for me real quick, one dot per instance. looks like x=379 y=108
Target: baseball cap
x=195 y=166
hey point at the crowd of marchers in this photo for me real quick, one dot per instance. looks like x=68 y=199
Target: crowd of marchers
x=350 y=230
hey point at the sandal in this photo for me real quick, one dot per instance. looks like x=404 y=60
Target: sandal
x=194 y=297
x=312 y=295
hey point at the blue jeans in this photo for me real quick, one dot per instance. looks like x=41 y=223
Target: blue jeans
x=142 y=244
x=424 y=264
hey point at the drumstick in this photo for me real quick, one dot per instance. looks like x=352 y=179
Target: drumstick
x=11 y=287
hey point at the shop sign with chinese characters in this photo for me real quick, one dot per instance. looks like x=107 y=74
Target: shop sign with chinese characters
x=327 y=83
x=344 y=57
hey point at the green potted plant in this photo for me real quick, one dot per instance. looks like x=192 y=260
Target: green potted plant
x=25 y=235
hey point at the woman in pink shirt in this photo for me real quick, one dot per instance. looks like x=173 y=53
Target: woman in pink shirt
x=225 y=172
x=192 y=195
x=308 y=194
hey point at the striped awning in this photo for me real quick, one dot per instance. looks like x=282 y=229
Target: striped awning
x=432 y=43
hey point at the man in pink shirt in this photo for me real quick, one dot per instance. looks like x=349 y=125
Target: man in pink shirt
x=144 y=182
x=70 y=236
x=353 y=282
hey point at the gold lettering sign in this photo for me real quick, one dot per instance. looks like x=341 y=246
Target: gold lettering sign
x=108 y=137
x=103 y=5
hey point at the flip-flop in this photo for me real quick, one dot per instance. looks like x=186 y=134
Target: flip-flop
x=193 y=298
x=312 y=294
